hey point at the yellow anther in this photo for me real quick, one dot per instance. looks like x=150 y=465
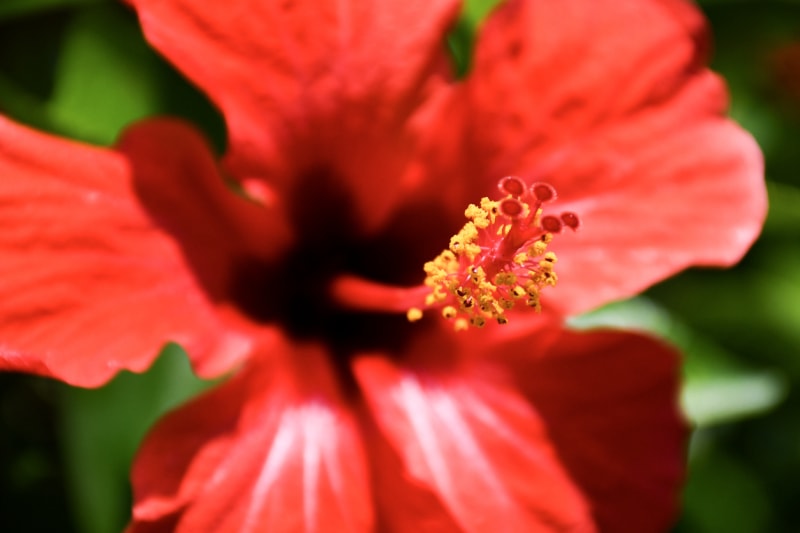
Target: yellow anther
x=491 y=208
x=447 y=257
x=414 y=314
x=532 y=290
x=477 y=321
x=482 y=222
x=537 y=249
x=473 y=211
x=477 y=275
x=505 y=278
x=487 y=286
x=478 y=216
x=469 y=232
x=498 y=257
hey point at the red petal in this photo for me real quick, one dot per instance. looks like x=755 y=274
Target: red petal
x=548 y=75
x=474 y=442
x=311 y=90
x=89 y=282
x=403 y=505
x=609 y=102
x=273 y=449
x=179 y=183
x=696 y=196
x=166 y=524
x=609 y=400
x=224 y=237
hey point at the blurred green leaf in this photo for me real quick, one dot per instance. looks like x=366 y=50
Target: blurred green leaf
x=88 y=73
x=29 y=53
x=16 y=101
x=784 y=211
x=714 y=400
x=777 y=297
x=724 y=495
x=736 y=3
x=461 y=40
x=106 y=76
x=474 y=11
x=14 y=8
x=752 y=310
x=102 y=429
x=746 y=37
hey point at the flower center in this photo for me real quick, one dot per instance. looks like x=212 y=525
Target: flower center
x=499 y=259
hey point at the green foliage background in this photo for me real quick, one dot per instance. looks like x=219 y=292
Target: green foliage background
x=81 y=69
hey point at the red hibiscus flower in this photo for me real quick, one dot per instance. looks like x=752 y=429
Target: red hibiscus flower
x=356 y=154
